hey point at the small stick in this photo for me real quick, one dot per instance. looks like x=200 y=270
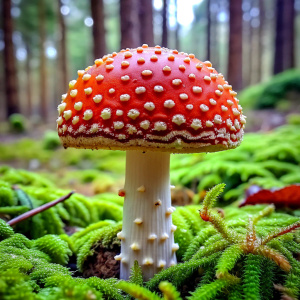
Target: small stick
x=37 y=210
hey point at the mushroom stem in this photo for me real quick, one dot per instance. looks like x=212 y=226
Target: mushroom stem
x=147 y=235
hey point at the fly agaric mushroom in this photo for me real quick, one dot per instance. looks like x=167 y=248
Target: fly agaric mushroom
x=150 y=102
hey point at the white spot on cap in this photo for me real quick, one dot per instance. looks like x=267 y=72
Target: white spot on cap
x=125 y=78
x=230 y=102
x=197 y=89
x=75 y=120
x=160 y=126
x=63 y=97
x=218 y=93
x=204 y=107
x=81 y=128
x=237 y=125
x=111 y=91
x=229 y=122
x=135 y=246
x=141 y=60
x=190 y=106
x=98 y=61
x=161 y=263
x=140 y=90
x=145 y=45
x=167 y=69
x=86 y=77
x=213 y=76
x=218 y=119
x=67 y=114
x=171 y=57
x=139 y=50
x=125 y=64
x=153 y=58
x=73 y=93
x=182 y=68
x=220 y=87
x=99 y=77
x=148 y=261
x=207 y=78
x=196 y=124
x=157 y=51
x=224 y=108
x=212 y=101
x=235 y=111
x=97 y=98
x=138 y=221
x=61 y=107
x=158 y=89
x=109 y=67
x=152 y=237
x=145 y=124
x=88 y=91
x=80 y=72
x=128 y=54
x=183 y=96
x=131 y=129
x=133 y=114
x=169 y=103
x=64 y=128
x=94 y=128
x=187 y=60
x=240 y=108
x=149 y=106
x=199 y=66
x=192 y=76
x=72 y=83
x=124 y=97
x=119 y=112
x=147 y=73
x=59 y=120
x=176 y=82
x=106 y=113
x=178 y=119
x=118 y=125
x=109 y=60
x=233 y=93
x=209 y=124
x=207 y=63
x=243 y=120
x=233 y=136
x=88 y=114
x=78 y=105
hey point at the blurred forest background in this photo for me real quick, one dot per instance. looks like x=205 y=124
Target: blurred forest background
x=44 y=42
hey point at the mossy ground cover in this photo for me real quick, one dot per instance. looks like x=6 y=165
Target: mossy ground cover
x=229 y=253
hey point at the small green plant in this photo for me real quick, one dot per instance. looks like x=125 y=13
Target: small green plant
x=17 y=123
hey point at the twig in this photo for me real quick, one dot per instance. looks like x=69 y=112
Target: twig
x=39 y=209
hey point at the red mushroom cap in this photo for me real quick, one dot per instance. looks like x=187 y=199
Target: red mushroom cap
x=150 y=99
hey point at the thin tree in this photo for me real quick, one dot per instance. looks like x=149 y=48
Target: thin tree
x=11 y=82
x=235 y=44
x=129 y=21
x=97 y=10
x=62 y=49
x=177 y=28
x=208 y=29
x=164 y=40
x=146 y=22
x=285 y=36
x=43 y=71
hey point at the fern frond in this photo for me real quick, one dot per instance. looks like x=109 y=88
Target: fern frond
x=210 y=249
x=192 y=219
x=57 y=249
x=108 y=287
x=212 y=196
x=251 y=277
x=136 y=275
x=169 y=291
x=267 y=279
x=179 y=273
x=137 y=291
x=228 y=260
x=198 y=241
x=211 y=290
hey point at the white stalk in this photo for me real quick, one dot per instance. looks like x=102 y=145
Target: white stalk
x=148 y=234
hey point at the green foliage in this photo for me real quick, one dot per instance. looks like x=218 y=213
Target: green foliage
x=5 y=230
x=268 y=94
x=51 y=140
x=17 y=123
x=136 y=275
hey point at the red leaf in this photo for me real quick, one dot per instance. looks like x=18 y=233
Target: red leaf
x=288 y=196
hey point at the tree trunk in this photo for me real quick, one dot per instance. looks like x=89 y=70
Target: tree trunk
x=62 y=47
x=164 y=40
x=208 y=29
x=97 y=10
x=11 y=82
x=285 y=36
x=235 y=44
x=261 y=39
x=130 y=33
x=214 y=39
x=146 y=22
x=28 y=82
x=177 y=29
x=43 y=72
